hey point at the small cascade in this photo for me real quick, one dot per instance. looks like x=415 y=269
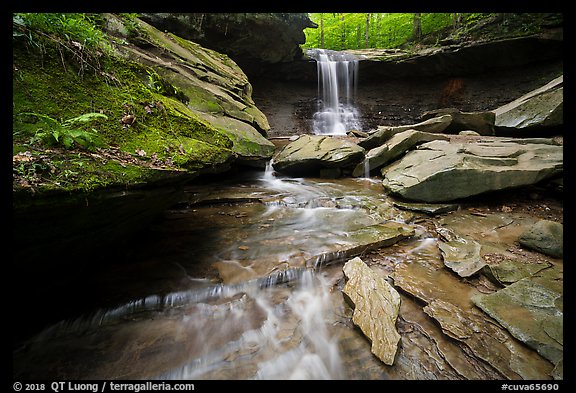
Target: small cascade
x=292 y=342
x=337 y=81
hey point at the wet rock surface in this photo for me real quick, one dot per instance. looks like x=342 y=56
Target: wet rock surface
x=310 y=153
x=239 y=284
x=529 y=311
x=460 y=253
x=376 y=304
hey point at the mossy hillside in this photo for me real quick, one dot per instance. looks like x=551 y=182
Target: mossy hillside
x=51 y=82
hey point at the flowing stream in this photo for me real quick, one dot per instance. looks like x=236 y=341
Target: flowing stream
x=243 y=280
x=239 y=286
x=337 y=82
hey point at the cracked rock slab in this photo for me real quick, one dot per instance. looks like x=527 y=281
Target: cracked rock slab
x=393 y=149
x=441 y=171
x=461 y=254
x=528 y=310
x=376 y=306
x=448 y=301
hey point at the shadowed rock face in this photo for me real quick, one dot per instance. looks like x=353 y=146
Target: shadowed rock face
x=397 y=88
x=253 y=40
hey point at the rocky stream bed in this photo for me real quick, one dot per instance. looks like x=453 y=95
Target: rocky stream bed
x=245 y=280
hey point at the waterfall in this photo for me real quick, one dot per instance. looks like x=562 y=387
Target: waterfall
x=337 y=80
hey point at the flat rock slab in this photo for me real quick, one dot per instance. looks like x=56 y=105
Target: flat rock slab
x=355 y=242
x=509 y=271
x=376 y=305
x=441 y=171
x=394 y=148
x=538 y=109
x=448 y=301
x=383 y=133
x=308 y=154
x=529 y=311
x=460 y=253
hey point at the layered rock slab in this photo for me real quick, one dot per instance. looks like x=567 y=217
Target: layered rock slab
x=540 y=109
x=383 y=133
x=308 y=154
x=441 y=171
x=376 y=306
x=530 y=312
x=460 y=253
x=395 y=147
x=448 y=301
x=481 y=122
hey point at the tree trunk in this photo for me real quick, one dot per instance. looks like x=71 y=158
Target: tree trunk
x=457 y=20
x=367 y=32
x=322 y=31
x=417 y=27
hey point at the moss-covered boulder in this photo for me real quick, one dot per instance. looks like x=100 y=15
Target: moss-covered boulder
x=160 y=106
x=106 y=104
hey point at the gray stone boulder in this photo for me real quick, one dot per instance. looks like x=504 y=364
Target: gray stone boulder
x=441 y=171
x=538 y=111
x=376 y=305
x=546 y=237
x=481 y=122
x=309 y=154
x=394 y=148
x=383 y=133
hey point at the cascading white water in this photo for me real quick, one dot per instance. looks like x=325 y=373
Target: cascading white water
x=337 y=81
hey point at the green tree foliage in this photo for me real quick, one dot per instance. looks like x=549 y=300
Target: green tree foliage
x=373 y=30
x=339 y=31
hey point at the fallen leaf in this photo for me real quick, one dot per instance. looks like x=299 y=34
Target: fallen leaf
x=243 y=248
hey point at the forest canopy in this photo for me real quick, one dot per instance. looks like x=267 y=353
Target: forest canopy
x=339 y=31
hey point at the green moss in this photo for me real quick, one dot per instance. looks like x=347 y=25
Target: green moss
x=49 y=81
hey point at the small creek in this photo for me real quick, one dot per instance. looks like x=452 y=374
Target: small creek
x=244 y=281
